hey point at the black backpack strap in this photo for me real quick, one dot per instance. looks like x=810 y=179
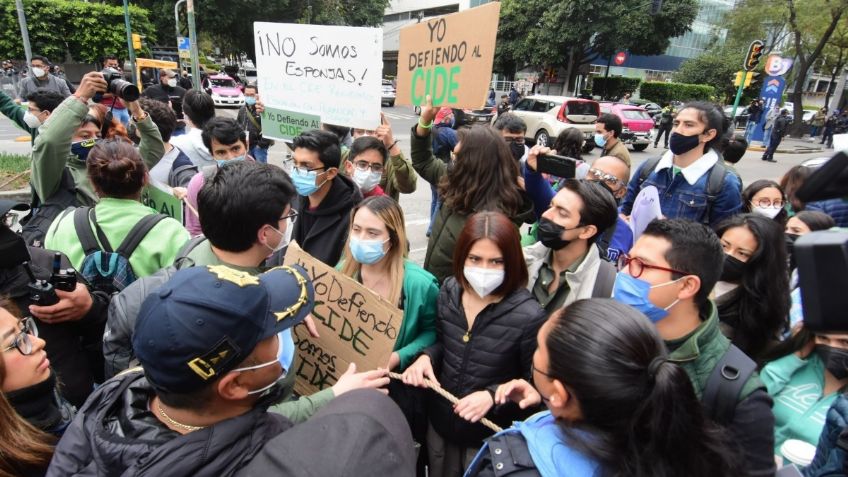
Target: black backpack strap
x=726 y=381
x=137 y=234
x=86 y=236
x=604 y=281
x=715 y=184
x=647 y=168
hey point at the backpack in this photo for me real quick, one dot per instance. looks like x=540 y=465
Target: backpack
x=604 y=281
x=726 y=381
x=106 y=270
x=36 y=224
x=715 y=181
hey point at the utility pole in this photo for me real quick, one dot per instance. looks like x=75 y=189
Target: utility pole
x=24 y=31
x=129 y=41
x=192 y=35
x=177 y=28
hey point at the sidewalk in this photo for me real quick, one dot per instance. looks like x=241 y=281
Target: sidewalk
x=791 y=145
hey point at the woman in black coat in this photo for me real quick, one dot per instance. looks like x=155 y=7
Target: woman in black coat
x=486 y=335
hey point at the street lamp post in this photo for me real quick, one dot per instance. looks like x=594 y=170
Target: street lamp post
x=129 y=41
x=195 y=68
x=177 y=28
x=24 y=31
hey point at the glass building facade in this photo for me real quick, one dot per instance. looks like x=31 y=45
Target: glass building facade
x=704 y=31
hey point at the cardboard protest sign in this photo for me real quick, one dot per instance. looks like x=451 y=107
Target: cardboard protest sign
x=332 y=72
x=158 y=196
x=355 y=325
x=450 y=58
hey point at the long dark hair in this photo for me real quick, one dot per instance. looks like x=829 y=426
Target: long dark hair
x=496 y=227
x=754 y=188
x=791 y=182
x=569 y=143
x=24 y=449
x=639 y=410
x=484 y=176
x=759 y=307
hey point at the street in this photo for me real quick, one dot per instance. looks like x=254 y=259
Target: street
x=416 y=206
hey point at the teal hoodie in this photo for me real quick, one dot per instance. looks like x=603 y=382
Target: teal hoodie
x=796 y=385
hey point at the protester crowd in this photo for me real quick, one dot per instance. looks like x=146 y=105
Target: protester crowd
x=599 y=349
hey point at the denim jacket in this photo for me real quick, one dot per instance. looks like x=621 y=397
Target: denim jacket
x=681 y=200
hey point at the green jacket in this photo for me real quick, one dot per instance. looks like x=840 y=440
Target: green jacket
x=117 y=217
x=700 y=353
x=448 y=224
x=398 y=176
x=418 y=329
x=51 y=151
x=16 y=113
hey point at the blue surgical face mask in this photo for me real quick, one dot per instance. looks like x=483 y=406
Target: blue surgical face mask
x=221 y=162
x=599 y=140
x=367 y=251
x=305 y=182
x=249 y=100
x=634 y=292
x=82 y=148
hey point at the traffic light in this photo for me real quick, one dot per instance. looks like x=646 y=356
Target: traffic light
x=737 y=79
x=136 y=41
x=755 y=51
x=750 y=78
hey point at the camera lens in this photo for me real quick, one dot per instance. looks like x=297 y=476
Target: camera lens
x=124 y=90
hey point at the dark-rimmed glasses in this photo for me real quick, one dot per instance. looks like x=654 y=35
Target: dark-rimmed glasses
x=635 y=266
x=23 y=341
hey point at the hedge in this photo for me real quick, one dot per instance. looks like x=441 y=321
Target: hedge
x=662 y=93
x=616 y=86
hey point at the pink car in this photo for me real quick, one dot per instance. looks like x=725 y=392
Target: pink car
x=224 y=90
x=636 y=122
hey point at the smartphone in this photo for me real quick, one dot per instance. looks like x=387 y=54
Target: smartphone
x=560 y=166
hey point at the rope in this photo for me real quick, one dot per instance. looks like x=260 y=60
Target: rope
x=13 y=178
x=450 y=397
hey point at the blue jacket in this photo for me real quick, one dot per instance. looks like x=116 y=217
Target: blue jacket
x=534 y=447
x=830 y=459
x=836 y=208
x=681 y=200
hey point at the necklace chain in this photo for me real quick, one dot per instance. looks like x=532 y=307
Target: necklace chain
x=175 y=423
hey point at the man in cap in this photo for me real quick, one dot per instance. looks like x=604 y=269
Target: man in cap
x=167 y=91
x=208 y=343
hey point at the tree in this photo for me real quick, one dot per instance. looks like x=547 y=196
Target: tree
x=571 y=33
x=66 y=30
x=716 y=67
x=229 y=24
x=835 y=56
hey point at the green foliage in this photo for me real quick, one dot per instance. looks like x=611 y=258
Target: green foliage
x=62 y=28
x=616 y=86
x=229 y=23
x=542 y=33
x=14 y=163
x=662 y=93
x=717 y=67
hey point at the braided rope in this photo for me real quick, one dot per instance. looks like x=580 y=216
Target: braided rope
x=450 y=397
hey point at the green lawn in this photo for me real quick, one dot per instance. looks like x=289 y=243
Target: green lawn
x=11 y=165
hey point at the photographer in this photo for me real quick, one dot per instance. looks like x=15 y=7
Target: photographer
x=73 y=327
x=59 y=155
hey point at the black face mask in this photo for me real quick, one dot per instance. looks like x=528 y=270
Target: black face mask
x=732 y=270
x=517 y=150
x=550 y=234
x=13 y=249
x=835 y=360
x=790 y=248
x=679 y=144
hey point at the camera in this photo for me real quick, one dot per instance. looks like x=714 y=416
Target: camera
x=118 y=86
x=41 y=292
x=62 y=279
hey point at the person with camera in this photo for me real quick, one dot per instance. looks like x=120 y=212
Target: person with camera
x=73 y=325
x=115 y=104
x=59 y=176
x=250 y=119
x=40 y=77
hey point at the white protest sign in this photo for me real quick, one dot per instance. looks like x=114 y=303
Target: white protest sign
x=333 y=72
x=646 y=208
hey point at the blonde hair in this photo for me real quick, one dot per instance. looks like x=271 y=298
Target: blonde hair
x=387 y=210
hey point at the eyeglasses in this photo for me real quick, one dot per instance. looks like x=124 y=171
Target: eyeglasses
x=22 y=340
x=365 y=165
x=292 y=216
x=607 y=179
x=514 y=140
x=636 y=266
x=766 y=203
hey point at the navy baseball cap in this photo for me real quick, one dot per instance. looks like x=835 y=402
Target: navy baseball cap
x=205 y=321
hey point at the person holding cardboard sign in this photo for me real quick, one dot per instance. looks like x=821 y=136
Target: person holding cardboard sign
x=487 y=324
x=481 y=176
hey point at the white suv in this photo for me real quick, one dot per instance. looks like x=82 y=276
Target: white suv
x=547 y=116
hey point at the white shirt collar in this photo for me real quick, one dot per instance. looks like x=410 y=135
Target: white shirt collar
x=695 y=170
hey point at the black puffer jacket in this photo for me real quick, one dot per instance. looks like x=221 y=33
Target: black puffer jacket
x=500 y=348
x=116 y=434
